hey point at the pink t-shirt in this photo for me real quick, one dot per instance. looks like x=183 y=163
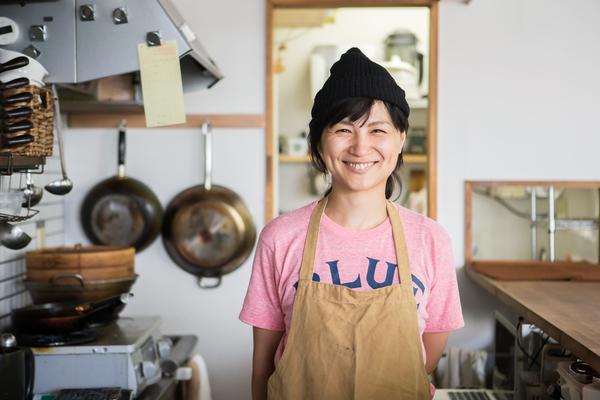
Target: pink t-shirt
x=359 y=259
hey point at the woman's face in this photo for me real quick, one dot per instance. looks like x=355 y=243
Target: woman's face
x=361 y=155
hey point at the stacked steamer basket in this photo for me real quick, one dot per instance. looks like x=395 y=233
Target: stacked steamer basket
x=79 y=273
x=36 y=139
x=40 y=133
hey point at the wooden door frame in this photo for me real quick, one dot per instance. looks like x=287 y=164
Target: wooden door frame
x=271 y=156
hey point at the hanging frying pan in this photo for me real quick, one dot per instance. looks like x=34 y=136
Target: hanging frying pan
x=121 y=211
x=208 y=230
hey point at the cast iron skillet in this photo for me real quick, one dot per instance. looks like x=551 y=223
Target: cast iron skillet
x=208 y=230
x=121 y=211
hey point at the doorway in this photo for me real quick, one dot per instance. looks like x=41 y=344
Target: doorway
x=303 y=40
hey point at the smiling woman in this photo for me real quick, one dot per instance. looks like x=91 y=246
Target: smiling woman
x=352 y=296
x=366 y=136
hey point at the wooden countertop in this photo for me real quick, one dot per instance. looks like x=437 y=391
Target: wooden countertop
x=569 y=311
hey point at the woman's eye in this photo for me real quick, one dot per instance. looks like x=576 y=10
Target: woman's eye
x=343 y=130
x=379 y=131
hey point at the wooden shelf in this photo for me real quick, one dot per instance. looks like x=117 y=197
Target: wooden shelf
x=415 y=158
x=285 y=158
x=136 y=119
x=408 y=159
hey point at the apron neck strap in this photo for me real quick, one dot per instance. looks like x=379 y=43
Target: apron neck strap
x=312 y=236
x=400 y=244
x=310 y=244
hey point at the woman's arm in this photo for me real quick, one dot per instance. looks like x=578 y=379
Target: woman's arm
x=265 y=345
x=434 y=343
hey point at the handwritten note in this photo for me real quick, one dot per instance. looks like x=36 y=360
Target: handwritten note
x=161 y=84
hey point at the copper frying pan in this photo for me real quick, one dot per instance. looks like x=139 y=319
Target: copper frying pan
x=207 y=229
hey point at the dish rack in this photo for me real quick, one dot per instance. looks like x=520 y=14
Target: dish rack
x=24 y=215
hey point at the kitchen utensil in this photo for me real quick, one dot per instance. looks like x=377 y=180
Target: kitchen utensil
x=14 y=84
x=62 y=186
x=17 y=369
x=32 y=70
x=12 y=237
x=32 y=194
x=121 y=211
x=39 y=110
x=403 y=43
x=12 y=64
x=16 y=98
x=92 y=263
x=16 y=140
x=15 y=112
x=208 y=230
x=570 y=388
x=582 y=371
x=67 y=316
x=22 y=125
x=80 y=290
x=405 y=76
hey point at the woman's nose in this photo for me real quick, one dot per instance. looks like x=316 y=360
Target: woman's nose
x=360 y=143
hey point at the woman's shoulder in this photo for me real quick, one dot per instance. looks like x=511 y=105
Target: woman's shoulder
x=421 y=224
x=288 y=225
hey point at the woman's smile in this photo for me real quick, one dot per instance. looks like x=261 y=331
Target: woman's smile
x=359 y=167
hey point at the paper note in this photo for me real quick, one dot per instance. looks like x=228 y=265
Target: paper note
x=161 y=84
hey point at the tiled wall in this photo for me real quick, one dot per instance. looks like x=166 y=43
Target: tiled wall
x=12 y=262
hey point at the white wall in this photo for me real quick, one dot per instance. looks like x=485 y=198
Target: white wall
x=515 y=103
x=518 y=88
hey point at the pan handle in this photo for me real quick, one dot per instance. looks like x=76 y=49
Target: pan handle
x=121 y=149
x=206 y=133
x=57 y=277
x=203 y=285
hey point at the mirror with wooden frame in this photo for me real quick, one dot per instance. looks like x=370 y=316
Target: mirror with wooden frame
x=515 y=227
x=304 y=37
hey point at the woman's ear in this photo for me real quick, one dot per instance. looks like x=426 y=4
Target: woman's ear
x=402 y=141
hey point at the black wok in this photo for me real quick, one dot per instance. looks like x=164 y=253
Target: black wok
x=66 y=317
x=121 y=211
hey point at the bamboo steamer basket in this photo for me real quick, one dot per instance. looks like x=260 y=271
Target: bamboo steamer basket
x=92 y=263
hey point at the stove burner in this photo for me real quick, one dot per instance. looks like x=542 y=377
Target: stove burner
x=57 y=339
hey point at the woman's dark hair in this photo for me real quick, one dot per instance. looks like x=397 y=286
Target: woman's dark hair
x=353 y=108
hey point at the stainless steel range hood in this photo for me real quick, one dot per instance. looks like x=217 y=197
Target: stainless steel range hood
x=82 y=40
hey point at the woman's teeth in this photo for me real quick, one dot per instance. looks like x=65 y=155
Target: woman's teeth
x=359 y=166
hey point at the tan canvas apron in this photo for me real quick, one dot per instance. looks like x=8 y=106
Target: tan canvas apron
x=347 y=344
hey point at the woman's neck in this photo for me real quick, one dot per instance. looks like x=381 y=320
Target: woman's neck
x=357 y=210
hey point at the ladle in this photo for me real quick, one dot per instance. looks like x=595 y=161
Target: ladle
x=32 y=194
x=62 y=186
x=13 y=237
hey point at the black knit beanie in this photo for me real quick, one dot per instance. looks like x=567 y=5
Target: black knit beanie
x=354 y=75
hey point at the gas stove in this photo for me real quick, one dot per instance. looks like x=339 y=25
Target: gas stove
x=129 y=353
